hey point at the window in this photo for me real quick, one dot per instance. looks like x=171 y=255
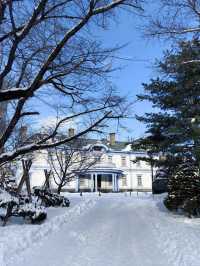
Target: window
x=139 y=180
x=124 y=181
x=109 y=178
x=83 y=158
x=97 y=158
x=97 y=148
x=82 y=181
x=123 y=160
x=110 y=158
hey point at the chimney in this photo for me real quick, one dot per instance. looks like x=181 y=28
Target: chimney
x=71 y=132
x=112 y=139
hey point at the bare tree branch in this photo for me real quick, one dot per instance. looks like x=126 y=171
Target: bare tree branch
x=46 y=52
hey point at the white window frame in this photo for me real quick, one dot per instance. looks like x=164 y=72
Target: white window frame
x=139 y=181
x=123 y=161
x=82 y=182
x=110 y=158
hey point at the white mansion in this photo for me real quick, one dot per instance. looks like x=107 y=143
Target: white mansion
x=115 y=171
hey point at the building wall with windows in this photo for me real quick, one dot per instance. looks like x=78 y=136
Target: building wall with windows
x=136 y=176
x=115 y=170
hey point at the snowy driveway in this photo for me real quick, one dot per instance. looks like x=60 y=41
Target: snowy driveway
x=115 y=230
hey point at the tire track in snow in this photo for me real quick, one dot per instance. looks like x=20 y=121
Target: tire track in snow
x=115 y=234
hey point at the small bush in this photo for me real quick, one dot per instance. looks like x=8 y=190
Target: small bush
x=49 y=199
x=184 y=188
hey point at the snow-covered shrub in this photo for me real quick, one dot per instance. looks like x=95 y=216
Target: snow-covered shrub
x=49 y=199
x=184 y=188
x=21 y=206
x=31 y=211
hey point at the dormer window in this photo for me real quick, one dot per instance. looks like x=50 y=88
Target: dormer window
x=97 y=148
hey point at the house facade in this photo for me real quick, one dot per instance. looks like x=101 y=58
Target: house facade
x=114 y=170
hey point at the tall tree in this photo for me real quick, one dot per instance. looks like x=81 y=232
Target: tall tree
x=174 y=128
x=48 y=50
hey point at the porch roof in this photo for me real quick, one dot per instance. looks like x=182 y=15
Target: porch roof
x=106 y=168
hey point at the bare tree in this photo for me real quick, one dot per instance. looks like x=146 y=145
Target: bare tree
x=48 y=53
x=174 y=18
x=69 y=161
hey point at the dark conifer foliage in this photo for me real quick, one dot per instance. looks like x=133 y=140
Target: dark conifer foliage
x=184 y=188
x=173 y=129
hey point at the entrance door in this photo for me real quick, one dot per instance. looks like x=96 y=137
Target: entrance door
x=98 y=182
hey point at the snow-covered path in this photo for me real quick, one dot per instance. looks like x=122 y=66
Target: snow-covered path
x=117 y=231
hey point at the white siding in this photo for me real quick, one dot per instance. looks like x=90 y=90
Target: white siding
x=130 y=170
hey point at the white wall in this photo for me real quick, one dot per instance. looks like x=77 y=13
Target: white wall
x=130 y=169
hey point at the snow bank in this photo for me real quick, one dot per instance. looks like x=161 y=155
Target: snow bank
x=114 y=230
x=16 y=239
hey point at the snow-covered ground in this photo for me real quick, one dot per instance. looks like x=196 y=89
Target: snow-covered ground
x=111 y=230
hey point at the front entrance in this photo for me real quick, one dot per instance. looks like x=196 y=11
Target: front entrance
x=99 y=182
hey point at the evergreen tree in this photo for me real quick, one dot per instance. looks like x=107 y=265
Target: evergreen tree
x=174 y=130
x=184 y=188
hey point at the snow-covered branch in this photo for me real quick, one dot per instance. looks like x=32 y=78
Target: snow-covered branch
x=41 y=145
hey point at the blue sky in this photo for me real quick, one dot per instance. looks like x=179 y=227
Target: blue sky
x=142 y=54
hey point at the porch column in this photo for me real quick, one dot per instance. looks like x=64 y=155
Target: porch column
x=95 y=182
x=92 y=182
x=116 y=183
x=77 y=184
x=113 y=182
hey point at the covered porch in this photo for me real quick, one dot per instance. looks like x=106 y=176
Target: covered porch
x=100 y=178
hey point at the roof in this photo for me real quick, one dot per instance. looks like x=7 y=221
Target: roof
x=103 y=167
x=118 y=145
x=81 y=142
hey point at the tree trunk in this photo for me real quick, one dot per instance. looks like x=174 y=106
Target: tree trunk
x=59 y=188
